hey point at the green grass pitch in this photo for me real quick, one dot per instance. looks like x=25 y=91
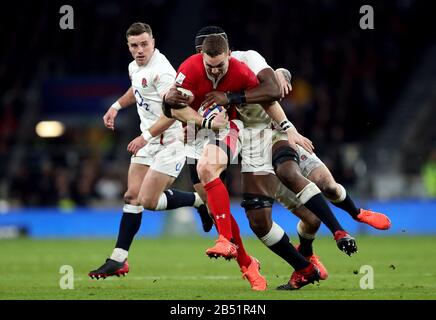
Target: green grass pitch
x=177 y=268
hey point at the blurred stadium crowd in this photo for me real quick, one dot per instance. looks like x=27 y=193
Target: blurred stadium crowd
x=346 y=83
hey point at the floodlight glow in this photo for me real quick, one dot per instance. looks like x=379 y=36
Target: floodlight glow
x=49 y=129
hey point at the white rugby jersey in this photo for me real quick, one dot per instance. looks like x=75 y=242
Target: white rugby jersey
x=149 y=83
x=253 y=115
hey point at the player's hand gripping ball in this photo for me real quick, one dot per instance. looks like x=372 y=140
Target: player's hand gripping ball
x=211 y=111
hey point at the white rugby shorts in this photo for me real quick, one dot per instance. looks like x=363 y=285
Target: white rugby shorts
x=168 y=159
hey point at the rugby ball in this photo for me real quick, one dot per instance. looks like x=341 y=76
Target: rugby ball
x=210 y=111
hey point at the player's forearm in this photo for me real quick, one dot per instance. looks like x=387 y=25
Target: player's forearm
x=126 y=100
x=268 y=89
x=275 y=112
x=186 y=115
x=161 y=125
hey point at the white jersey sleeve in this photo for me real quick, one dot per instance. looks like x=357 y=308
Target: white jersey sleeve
x=253 y=115
x=164 y=81
x=252 y=59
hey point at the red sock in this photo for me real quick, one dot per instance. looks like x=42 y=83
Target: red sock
x=219 y=204
x=243 y=257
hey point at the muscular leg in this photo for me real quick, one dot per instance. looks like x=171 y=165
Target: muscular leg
x=308 y=193
x=258 y=212
x=203 y=211
x=196 y=183
x=337 y=195
x=287 y=170
x=132 y=212
x=212 y=163
x=333 y=191
x=198 y=187
x=307 y=228
x=309 y=222
x=153 y=196
x=145 y=189
x=152 y=188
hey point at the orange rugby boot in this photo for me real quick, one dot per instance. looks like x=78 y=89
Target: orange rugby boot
x=252 y=274
x=374 y=219
x=301 y=278
x=223 y=248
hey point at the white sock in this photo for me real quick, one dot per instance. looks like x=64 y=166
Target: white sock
x=303 y=234
x=308 y=192
x=119 y=255
x=132 y=209
x=198 y=202
x=162 y=203
x=273 y=236
x=342 y=196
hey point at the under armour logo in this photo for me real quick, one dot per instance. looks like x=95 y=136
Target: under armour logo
x=220 y=216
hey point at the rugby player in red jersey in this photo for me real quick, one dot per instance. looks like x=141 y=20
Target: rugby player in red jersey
x=214 y=69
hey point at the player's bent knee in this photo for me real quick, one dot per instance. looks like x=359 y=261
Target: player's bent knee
x=258 y=211
x=333 y=191
x=253 y=201
x=148 y=203
x=206 y=171
x=285 y=162
x=129 y=198
x=330 y=190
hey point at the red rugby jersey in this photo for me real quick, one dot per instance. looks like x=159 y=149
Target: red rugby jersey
x=192 y=75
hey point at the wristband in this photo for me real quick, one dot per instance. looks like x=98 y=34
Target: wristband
x=116 y=106
x=207 y=123
x=286 y=125
x=236 y=97
x=147 y=135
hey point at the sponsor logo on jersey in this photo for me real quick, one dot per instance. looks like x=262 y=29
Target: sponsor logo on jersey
x=144 y=82
x=180 y=78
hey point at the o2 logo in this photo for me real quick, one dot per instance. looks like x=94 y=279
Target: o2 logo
x=178 y=166
x=140 y=101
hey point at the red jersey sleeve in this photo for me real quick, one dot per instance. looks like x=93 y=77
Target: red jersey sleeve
x=242 y=74
x=191 y=75
x=187 y=74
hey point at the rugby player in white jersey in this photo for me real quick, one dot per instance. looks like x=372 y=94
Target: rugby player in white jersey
x=157 y=158
x=258 y=180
